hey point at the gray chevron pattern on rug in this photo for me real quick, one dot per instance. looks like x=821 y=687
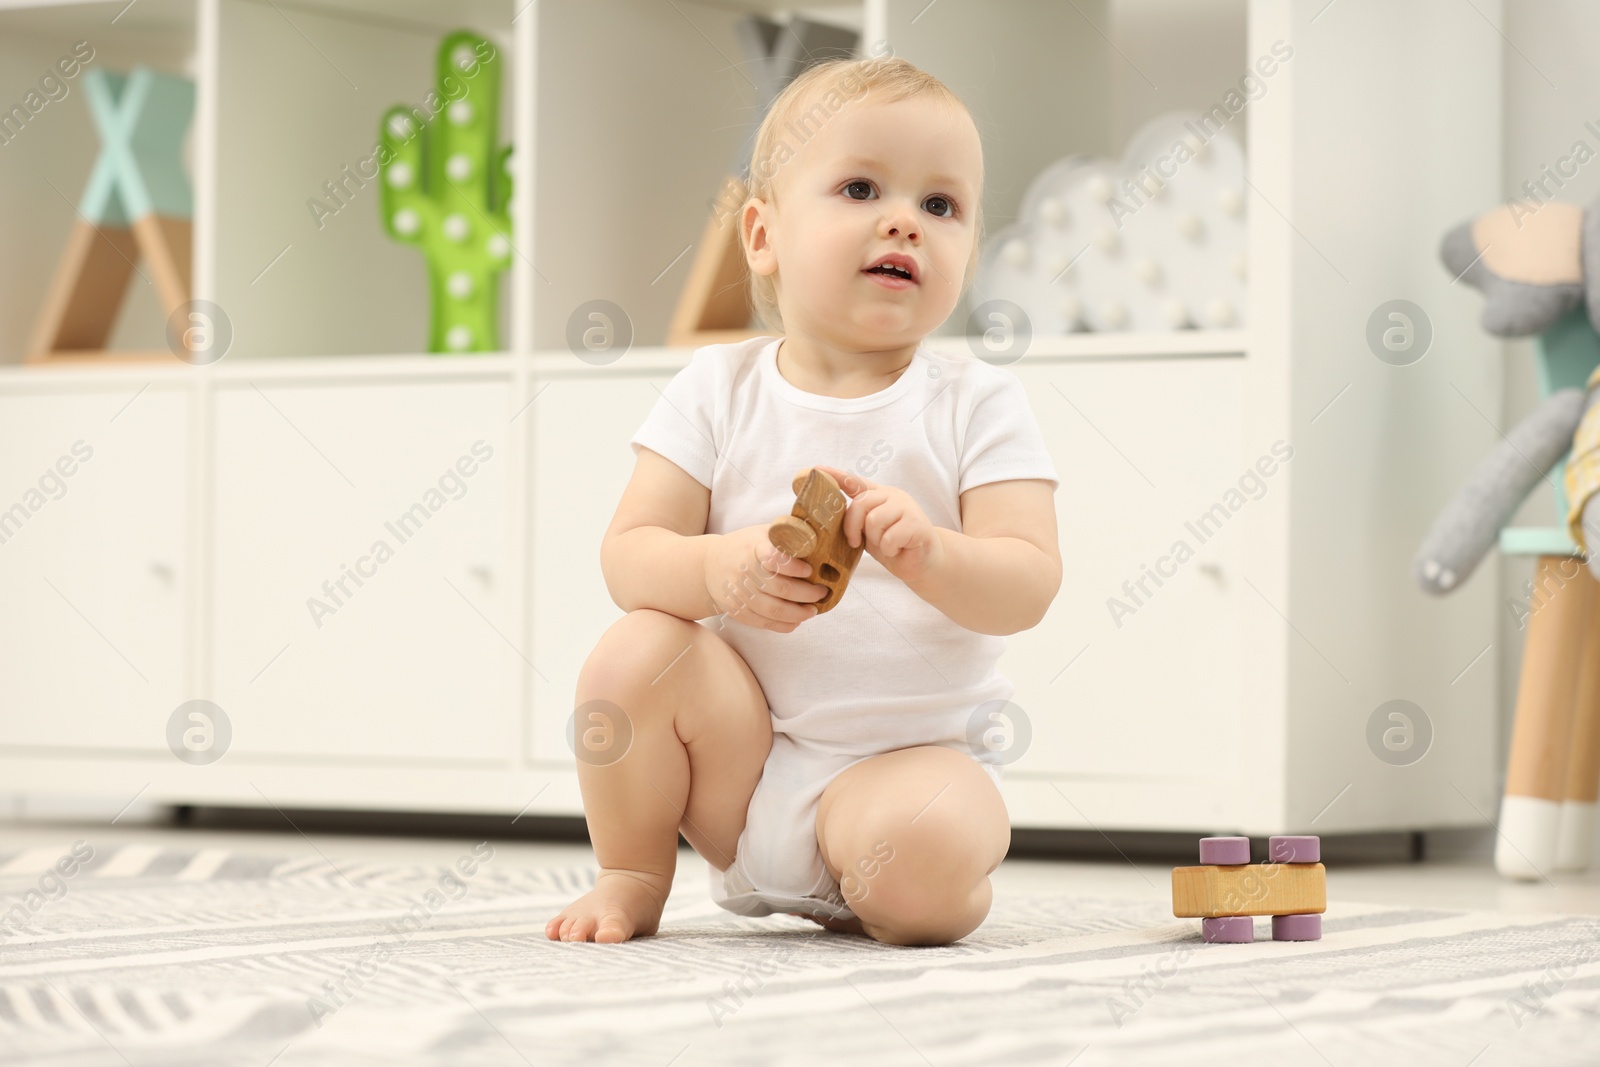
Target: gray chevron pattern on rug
x=155 y=956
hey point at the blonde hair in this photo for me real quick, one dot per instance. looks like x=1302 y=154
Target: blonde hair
x=889 y=79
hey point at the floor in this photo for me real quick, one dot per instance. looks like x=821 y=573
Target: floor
x=226 y=946
x=1462 y=882
x=238 y=944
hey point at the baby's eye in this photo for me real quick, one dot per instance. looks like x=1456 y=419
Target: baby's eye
x=941 y=200
x=863 y=184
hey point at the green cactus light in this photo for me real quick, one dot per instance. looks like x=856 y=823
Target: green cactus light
x=447 y=190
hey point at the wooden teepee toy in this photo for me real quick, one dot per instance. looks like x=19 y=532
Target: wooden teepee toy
x=137 y=205
x=714 y=306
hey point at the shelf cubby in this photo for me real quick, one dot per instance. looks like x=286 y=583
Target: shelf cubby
x=632 y=112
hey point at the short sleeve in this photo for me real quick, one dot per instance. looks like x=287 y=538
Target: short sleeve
x=681 y=425
x=1002 y=440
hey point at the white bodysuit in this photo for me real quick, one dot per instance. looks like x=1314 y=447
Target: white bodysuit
x=884 y=669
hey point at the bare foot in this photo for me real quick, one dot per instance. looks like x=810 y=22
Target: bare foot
x=851 y=925
x=623 y=904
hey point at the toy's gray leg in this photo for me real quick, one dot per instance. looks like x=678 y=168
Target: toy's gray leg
x=1470 y=524
x=1511 y=308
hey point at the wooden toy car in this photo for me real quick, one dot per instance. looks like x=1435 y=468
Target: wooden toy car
x=1228 y=889
x=814 y=532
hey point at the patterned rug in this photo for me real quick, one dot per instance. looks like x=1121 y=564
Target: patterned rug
x=144 y=956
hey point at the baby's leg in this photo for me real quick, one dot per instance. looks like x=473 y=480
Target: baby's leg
x=700 y=731
x=912 y=836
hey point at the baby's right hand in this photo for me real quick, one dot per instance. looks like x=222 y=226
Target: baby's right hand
x=754 y=583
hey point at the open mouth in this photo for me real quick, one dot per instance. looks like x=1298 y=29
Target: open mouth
x=894 y=270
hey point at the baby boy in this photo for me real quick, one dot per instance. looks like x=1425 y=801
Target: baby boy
x=829 y=765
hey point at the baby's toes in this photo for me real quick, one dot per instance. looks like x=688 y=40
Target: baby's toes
x=613 y=927
x=581 y=928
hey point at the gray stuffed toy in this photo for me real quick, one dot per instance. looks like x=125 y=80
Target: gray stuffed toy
x=1534 y=265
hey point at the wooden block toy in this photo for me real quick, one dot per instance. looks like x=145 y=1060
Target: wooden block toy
x=814 y=532
x=1248 y=889
x=1227 y=889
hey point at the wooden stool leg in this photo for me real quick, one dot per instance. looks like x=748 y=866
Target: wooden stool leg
x=1577 y=827
x=1537 y=768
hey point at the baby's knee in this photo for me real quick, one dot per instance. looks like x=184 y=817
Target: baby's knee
x=922 y=912
x=936 y=847
x=632 y=653
x=918 y=886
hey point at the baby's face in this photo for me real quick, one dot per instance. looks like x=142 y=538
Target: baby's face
x=877 y=179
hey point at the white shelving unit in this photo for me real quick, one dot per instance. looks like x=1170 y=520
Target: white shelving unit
x=179 y=561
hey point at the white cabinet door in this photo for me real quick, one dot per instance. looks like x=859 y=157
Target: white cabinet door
x=1139 y=680
x=93 y=519
x=363 y=603
x=581 y=463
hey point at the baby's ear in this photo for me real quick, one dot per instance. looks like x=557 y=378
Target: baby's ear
x=754 y=240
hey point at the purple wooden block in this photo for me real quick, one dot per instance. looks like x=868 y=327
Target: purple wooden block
x=1294 y=850
x=1229 y=929
x=1224 y=851
x=1297 y=928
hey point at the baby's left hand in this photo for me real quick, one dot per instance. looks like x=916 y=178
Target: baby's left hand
x=898 y=534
